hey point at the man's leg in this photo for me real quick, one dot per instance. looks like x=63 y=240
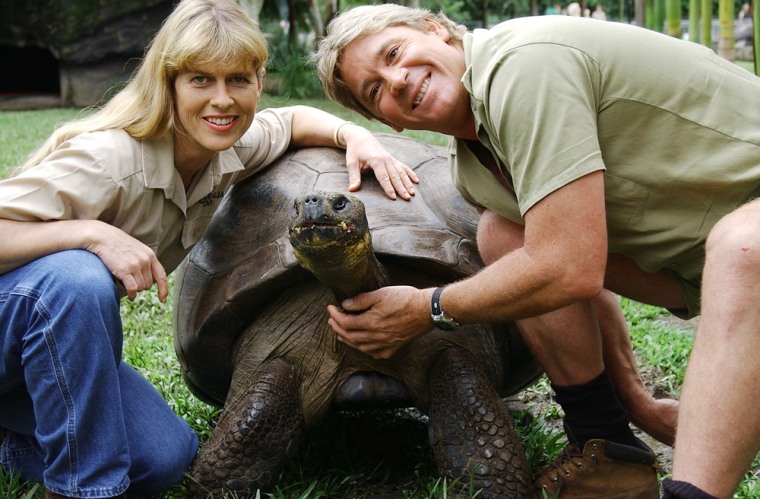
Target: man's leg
x=604 y=457
x=574 y=344
x=657 y=417
x=719 y=424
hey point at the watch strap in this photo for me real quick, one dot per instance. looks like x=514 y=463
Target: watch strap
x=435 y=302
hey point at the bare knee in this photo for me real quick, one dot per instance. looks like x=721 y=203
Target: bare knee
x=497 y=236
x=734 y=243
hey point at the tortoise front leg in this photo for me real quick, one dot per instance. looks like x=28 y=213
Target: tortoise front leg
x=261 y=426
x=471 y=431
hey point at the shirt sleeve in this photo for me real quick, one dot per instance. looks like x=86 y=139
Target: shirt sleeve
x=542 y=102
x=266 y=140
x=69 y=184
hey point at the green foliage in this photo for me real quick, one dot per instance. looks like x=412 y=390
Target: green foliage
x=664 y=345
x=290 y=71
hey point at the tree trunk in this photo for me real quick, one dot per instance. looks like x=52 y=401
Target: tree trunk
x=316 y=18
x=658 y=9
x=639 y=14
x=694 y=20
x=673 y=17
x=293 y=24
x=756 y=37
x=331 y=8
x=726 y=39
x=649 y=15
x=706 y=14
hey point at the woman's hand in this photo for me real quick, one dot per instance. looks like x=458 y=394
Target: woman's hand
x=130 y=261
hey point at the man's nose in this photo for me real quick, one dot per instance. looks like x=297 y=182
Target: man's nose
x=397 y=79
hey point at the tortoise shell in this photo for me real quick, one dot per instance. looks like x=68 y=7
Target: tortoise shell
x=245 y=258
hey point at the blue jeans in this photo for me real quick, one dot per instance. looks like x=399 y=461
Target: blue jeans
x=77 y=418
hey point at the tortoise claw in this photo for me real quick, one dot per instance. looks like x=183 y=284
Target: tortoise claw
x=257 y=432
x=471 y=431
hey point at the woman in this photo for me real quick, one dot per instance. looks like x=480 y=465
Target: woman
x=108 y=206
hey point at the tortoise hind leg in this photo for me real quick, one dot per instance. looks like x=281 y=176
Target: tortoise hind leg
x=471 y=430
x=259 y=429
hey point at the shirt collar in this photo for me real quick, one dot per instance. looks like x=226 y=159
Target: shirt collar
x=158 y=154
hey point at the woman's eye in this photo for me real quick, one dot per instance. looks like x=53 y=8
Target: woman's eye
x=393 y=53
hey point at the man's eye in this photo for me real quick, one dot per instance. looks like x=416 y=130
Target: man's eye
x=373 y=92
x=240 y=79
x=199 y=79
x=393 y=53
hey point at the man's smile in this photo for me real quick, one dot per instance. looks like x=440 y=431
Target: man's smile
x=421 y=94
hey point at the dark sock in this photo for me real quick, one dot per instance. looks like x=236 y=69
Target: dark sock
x=592 y=410
x=674 y=489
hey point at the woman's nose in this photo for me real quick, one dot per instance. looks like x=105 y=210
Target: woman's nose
x=221 y=97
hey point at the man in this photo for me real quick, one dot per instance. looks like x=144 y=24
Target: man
x=607 y=158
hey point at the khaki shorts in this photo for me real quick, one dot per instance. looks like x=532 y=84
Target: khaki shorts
x=691 y=293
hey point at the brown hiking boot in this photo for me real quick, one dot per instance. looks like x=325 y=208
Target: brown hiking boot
x=603 y=470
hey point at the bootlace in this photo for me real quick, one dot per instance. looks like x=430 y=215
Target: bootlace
x=569 y=460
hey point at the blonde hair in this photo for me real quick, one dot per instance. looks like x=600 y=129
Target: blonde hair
x=197 y=32
x=364 y=21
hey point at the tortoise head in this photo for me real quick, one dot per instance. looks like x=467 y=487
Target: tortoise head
x=331 y=239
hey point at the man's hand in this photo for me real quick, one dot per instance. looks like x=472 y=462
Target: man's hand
x=379 y=323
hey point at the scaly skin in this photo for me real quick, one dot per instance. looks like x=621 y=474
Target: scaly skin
x=257 y=432
x=471 y=430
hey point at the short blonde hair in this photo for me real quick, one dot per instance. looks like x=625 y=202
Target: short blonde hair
x=357 y=23
x=197 y=32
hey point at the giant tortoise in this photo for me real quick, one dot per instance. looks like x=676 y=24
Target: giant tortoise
x=251 y=328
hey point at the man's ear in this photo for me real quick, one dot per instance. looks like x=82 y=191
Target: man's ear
x=435 y=28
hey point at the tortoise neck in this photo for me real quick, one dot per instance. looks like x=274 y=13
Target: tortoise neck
x=373 y=276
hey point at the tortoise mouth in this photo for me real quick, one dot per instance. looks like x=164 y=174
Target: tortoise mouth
x=312 y=233
x=309 y=225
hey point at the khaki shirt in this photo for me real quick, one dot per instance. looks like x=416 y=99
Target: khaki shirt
x=133 y=185
x=675 y=129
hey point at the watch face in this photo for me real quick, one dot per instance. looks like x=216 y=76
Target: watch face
x=445 y=323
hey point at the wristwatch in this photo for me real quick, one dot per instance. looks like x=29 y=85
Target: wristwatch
x=440 y=319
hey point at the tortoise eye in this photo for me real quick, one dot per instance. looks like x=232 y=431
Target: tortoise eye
x=340 y=203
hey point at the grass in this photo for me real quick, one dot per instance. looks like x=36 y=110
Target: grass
x=350 y=454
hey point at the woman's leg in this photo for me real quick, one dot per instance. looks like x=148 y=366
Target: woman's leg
x=61 y=339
